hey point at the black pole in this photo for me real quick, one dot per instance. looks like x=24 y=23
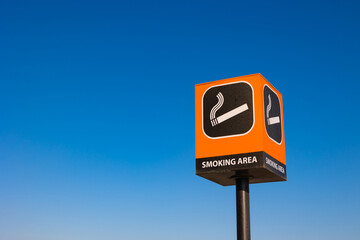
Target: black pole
x=242 y=209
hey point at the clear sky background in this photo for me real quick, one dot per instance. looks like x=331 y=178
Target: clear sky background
x=97 y=117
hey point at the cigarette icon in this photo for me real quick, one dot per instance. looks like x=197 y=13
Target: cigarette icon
x=217 y=120
x=271 y=120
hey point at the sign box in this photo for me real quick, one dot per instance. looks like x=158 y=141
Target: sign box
x=239 y=130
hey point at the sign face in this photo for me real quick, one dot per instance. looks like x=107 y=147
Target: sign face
x=239 y=130
x=272 y=115
x=228 y=110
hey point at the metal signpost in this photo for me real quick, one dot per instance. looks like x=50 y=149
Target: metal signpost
x=240 y=137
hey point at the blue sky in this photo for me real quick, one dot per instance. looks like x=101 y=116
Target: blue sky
x=97 y=117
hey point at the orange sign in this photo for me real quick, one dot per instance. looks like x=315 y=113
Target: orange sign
x=239 y=130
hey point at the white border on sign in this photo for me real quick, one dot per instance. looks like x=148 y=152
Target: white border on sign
x=281 y=122
x=202 y=110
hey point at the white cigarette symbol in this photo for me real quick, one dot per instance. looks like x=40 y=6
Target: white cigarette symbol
x=215 y=121
x=271 y=120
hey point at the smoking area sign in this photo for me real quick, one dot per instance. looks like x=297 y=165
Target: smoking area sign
x=239 y=131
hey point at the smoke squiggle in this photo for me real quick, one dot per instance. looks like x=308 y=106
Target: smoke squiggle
x=217 y=106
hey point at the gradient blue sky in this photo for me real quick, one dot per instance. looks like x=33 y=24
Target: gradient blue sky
x=97 y=117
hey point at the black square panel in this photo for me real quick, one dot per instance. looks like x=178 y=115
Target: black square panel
x=272 y=113
x=228 y=110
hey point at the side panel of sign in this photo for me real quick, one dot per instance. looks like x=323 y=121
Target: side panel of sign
x=274 y=141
